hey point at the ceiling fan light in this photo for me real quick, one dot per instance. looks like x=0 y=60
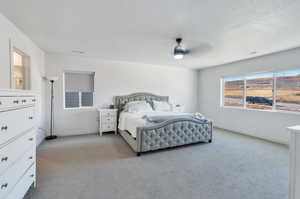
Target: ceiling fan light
x=178 y=52
x=178 y=56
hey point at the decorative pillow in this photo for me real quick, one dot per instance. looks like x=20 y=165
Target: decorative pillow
x=137 y=106
x=162 y=106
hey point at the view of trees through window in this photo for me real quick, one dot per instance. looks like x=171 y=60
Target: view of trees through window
x=259 y=91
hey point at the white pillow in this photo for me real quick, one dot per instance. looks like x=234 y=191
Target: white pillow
x=161 y=106
x=138 y=106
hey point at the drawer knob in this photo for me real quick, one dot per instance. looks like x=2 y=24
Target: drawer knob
x=31 y=118
x=31 y=175
x=16 y=101
x=24 y=101
x=4 y=159
x=4 y=186
x=30 y=158
x=30 y=139
x=4 y=128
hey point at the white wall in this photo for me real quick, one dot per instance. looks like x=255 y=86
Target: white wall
x=117 y=78
x=8 y=31
x=263 y=124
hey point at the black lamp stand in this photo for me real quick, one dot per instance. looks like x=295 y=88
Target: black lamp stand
x=51 y=136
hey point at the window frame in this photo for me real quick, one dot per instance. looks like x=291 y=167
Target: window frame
x=80 y=107
x=274 y=90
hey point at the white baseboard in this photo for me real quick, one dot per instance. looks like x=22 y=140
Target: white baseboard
x=255 y=136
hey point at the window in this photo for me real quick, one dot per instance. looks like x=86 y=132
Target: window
x=259 y=91
x=268 y=91
x=20 y=72
x=72 y=99
x=87 y=98
x=288 y=91
x=233 y=92
x=79 y=89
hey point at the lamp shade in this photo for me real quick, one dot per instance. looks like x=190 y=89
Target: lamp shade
x=52 y=78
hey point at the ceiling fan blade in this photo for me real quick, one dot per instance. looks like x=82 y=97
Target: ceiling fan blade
x=201 y=49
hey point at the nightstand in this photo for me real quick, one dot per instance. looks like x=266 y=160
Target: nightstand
x=107 y=120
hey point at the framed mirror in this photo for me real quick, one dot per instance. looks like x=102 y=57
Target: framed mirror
x=20 y=69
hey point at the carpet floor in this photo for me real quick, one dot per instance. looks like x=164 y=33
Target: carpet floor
x=93 y=167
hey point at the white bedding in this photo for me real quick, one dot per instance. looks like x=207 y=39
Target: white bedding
x=130 y=121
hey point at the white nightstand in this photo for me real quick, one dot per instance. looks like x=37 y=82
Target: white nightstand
x=107 y=120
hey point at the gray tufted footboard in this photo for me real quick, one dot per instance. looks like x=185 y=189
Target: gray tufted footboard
x=173 y=133
x=168 y=134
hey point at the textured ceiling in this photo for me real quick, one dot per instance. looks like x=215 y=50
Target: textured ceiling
x=144 y=31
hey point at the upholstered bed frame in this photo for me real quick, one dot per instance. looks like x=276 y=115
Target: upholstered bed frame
x=171 y=133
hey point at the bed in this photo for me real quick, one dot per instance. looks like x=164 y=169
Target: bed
x=144 y=136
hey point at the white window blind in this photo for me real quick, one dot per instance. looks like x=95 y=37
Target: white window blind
x=79 y=89
x=79 y=82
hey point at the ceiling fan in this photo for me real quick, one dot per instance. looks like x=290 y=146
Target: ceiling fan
x=180 y=51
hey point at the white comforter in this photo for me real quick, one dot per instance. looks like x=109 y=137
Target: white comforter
x=130 y=121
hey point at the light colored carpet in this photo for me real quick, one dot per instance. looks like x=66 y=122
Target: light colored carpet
x=93 y=167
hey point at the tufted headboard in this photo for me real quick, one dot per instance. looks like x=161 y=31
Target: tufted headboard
x=120 y=101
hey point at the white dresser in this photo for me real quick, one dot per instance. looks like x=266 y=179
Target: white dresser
x=107 y=120
x=294 y=162
x=17 y=143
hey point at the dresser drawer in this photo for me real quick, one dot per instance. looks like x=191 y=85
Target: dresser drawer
x=108 y=127
x=11 y=177
x=23 y=185
x=13 y=123
x=108 y=119
x=109 y=114
x=10 y=153
x=7 y=102
x=27 y=100
x=11 y=102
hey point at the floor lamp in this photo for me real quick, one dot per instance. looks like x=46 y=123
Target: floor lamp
x=51 y=136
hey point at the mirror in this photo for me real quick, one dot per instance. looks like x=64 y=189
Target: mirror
x=20 y=70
